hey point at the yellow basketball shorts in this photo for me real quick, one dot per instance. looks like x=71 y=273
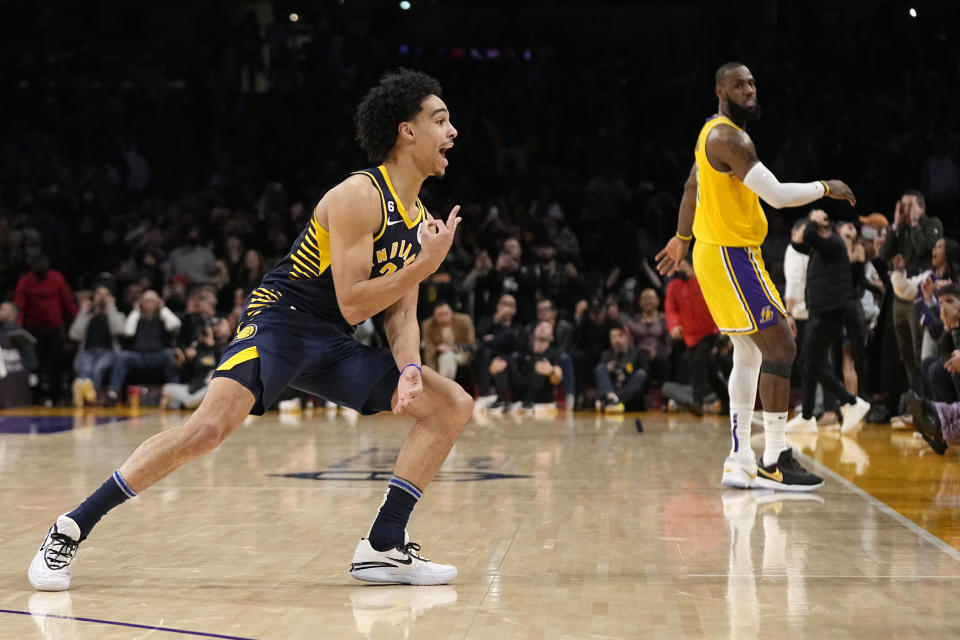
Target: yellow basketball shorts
x=738 y=290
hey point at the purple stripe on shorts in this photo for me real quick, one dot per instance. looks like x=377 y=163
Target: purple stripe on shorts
x=765 y=313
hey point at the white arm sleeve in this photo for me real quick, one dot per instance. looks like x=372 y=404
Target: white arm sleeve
x=795 y=274
x=778 y=194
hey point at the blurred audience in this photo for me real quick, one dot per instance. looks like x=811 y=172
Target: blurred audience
x=151 y=328
x=97 y=330
x=530 y=376
x=622 y=373
x=448 y=342
x=46 y=304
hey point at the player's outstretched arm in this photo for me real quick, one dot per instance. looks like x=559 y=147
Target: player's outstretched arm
x=731 y=150
x=353 y=216
x=671 y=255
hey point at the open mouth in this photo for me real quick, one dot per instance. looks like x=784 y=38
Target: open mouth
x=443 y=155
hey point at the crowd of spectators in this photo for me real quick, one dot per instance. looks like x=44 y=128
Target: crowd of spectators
x=161 y=192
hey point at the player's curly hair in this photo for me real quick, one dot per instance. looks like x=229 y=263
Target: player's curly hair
x=395 y=99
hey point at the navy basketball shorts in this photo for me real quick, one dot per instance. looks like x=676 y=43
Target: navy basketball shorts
x=283 y=347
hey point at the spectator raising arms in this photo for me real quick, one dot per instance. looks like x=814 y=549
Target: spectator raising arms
x=97 y=329
x=151 y=328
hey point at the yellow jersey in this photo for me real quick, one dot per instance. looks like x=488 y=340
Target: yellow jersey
x=728 y=213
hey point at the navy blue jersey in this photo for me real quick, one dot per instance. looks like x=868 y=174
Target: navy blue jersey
x=303 y=280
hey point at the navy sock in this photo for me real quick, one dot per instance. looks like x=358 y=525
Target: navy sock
x=388 y=529
x=111 y=493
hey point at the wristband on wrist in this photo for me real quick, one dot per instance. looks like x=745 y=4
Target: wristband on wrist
x=826 y=189
x=685 y=238
x=412 y=364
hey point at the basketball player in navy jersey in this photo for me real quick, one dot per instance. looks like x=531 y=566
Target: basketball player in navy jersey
x=365 y=249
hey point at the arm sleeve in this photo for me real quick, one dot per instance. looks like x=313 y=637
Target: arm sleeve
x=116 y=320
x=778 y=194
x=78 y=328
x=130 y=326
x=793 y=272
x=905 y=287
x=170 y=320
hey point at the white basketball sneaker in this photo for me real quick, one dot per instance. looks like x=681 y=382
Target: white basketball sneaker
x=739 y=472
x=402 y=564
x=50 y=568
x=799 y=424
x=853 y=414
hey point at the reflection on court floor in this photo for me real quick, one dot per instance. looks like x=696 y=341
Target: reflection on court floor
x=563 y=526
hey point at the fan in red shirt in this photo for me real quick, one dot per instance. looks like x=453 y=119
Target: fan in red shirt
x=689 y=318
x=46 y=305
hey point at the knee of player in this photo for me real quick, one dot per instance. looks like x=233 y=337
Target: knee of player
x=784 y=351
x=777 y=367
x=790 y=351
x=205 y=434
x=462 y=405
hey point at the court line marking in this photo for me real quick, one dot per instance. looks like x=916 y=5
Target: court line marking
x=774 y=576
x=883 y=507
x=126 y=624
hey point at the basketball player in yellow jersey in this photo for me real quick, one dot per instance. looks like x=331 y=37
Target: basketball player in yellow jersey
x=721 y=208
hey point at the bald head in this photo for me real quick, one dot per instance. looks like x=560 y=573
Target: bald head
x=725 y=69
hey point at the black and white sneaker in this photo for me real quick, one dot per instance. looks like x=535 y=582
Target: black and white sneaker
x=402 y=564
x=787 y=475
x=50 y=567
x=926 y=421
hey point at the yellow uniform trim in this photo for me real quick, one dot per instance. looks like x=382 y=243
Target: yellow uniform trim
x=239 y=358
x=323 y=245
x=403 y=211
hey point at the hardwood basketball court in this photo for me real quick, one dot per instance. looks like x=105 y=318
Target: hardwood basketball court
x=562 y=526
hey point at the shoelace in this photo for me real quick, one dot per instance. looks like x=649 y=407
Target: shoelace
x=61 y=551
x=411 y=549
x=793 y=465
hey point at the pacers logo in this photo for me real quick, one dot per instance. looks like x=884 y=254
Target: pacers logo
x=246 y=331
x=766 y=314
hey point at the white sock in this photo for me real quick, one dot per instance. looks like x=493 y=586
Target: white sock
x=741 y=419
x=774 y=436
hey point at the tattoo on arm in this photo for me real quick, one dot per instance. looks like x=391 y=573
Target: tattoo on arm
x=737 y=151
